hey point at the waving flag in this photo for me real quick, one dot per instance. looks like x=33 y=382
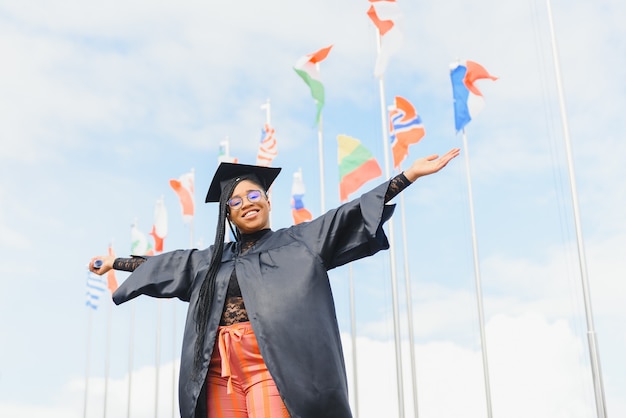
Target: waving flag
x=307 y=68
x=139 y=243
x=299 y=212
x=405 y=128
x=183 y=186
x=267 y=148
x=96 y=286
x=387 y=17
x=159 y=227
x=357 y=166
x=468 y=100
x=111 y=279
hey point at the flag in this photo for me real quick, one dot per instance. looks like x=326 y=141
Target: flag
x=387 y=17
x=298 y=211
x=159 y=227
x=267 y=147
x=357 y=166
x=183 y=186
x=111 y=279
x=405 y=128
x=139 y=243
x=96 y=286
x=468 y=100
x=306 y=67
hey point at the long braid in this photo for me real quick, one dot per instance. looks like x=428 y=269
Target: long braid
x=205 y=297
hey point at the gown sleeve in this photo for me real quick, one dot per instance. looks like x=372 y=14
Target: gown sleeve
x=168 y=275
x=352 y=231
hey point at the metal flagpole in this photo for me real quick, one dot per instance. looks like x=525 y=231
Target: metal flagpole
x=157 y=359
x=479 y=298
x=173 y=359
x=107 y=360
x=89 y=323
x=268 y=117
x=591 y=334
x=355 y=380
x=193 y=171
x=392 y=253
x=320 y=150
x=409 y=309
x=130 y=356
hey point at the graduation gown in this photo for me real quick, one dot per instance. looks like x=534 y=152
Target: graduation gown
x=285 y=287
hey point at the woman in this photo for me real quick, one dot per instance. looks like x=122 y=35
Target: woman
x=261 y=337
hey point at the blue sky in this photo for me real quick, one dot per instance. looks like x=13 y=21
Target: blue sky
x=103 y=103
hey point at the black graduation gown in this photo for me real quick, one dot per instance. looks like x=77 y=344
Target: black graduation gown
x=284 y=283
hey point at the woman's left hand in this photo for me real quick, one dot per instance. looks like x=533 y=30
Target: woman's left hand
x=429 y=165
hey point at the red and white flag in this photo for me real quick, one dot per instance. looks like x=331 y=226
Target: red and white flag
x=183 y=186
x=387 y=17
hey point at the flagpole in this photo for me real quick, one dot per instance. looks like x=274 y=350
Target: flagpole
x=409 y=308
x=268 y=118
x=157 y=358
x=355 y=380
x=591 y=334
x=392 y=256
x=479 y=298
x=130 y=356
x=89 y=325
x=107 y=360
x=320 y=150
x=408 y=293
x=193 y=171
x=174 y=358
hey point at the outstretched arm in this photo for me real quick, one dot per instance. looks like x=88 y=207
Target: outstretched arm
x=109 y=262
x=429 y=165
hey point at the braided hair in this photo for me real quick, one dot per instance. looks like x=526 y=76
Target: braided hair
x=207 y=290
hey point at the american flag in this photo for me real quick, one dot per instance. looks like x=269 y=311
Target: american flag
x=267 y=147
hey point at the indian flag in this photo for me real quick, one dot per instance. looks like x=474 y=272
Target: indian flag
x=307 y=68
x=357 y=166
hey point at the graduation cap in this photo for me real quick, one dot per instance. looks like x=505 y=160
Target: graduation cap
x=226 y=172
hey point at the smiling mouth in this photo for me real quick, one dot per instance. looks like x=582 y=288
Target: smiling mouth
x=251 y=213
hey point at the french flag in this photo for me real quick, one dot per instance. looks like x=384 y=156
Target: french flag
x=468 y=100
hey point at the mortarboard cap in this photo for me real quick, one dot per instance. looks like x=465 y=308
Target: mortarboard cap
x=227 y=171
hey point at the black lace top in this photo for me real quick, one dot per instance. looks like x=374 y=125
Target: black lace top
x=234 y=308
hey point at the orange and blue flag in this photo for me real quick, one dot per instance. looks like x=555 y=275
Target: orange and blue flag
x=468 y=100
x=405 y=128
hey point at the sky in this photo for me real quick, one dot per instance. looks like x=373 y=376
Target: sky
x=103 y=103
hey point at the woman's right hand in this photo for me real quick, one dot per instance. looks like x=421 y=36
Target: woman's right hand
x=107 y=264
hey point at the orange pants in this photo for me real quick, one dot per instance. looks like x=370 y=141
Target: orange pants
x=238 y=383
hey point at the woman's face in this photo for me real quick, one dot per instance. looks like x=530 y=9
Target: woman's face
x=249 y=216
